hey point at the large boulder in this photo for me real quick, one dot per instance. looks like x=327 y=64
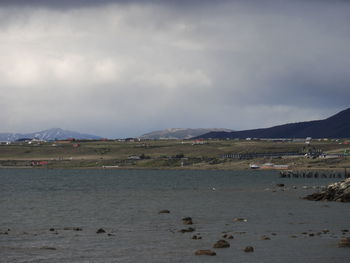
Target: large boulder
x=339 y=191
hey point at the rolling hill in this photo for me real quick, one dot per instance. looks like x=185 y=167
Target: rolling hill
x=48 y=135
x=178 y=133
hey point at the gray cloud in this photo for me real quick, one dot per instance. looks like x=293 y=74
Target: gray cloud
x=128 y=67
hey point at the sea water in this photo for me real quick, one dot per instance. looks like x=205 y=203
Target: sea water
x=53 y=216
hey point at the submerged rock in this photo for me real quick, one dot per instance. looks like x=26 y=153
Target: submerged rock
x=221 y=244
x=165 y=211
x=206 y=252
x=339 y=191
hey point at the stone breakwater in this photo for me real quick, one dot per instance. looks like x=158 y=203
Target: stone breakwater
x=339 y=191
x=315 y=174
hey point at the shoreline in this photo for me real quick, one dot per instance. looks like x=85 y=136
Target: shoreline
x=306 y=169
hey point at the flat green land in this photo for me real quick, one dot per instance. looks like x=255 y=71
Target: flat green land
x=170 y=154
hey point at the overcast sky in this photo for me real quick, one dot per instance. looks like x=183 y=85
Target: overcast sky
x=124 y=68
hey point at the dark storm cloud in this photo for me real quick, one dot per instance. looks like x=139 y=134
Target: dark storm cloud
x=66 y=4
x=121 y=68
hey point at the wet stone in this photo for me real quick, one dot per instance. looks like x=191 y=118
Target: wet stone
x=344 y=242
x=221 y=244
x=100 y=231
x=187 y=221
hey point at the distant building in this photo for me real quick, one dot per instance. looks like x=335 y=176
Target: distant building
x=134 y=157
x=39 y=163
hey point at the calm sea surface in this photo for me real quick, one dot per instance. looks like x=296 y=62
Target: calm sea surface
x=125 y=203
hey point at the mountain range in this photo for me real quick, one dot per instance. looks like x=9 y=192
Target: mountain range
x=179 y=133
x=48 y=135
x=336 y=126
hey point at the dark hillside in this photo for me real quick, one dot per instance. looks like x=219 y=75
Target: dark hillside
x=336 y=126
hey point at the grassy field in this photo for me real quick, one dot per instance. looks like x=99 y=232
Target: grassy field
x=167 y=154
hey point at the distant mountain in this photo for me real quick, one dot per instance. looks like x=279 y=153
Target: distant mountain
x=336 y=126
x=179 y=133
x=48 y=135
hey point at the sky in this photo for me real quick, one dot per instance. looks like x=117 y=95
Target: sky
x=124 y=68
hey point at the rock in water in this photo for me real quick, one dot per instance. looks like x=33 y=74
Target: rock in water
x=249 y=249
x=206 y=252
x=165 y=211
x=100 y=230
x=334 y=192
x=187 y=220
x=221 y=244
x=48 y=248
x=190 y=229
x=344 y=242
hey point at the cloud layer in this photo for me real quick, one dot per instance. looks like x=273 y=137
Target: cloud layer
x=123 y=68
